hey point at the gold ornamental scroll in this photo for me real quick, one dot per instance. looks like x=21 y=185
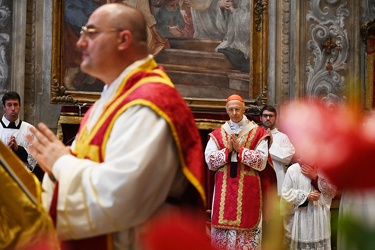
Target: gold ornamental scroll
x=24 y=223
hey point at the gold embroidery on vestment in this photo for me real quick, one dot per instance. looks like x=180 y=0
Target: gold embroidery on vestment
x=244 y=171
x=224 y=135
x=251 y=137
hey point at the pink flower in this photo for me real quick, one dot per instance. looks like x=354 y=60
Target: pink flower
x=184 y=229
x=339 y=140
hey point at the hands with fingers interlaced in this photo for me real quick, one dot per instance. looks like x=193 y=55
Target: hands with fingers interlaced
x=234 y=143
x=314 y=195
x=13 y=143
x=45 y=147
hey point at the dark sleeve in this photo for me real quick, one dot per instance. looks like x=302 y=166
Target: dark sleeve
x=21 y=153
x=315 y=183
x=304 y=204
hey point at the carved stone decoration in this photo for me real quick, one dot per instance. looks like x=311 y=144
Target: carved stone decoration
x=259 y=7
x=285 y=48
x=330 y=45
x=5 y=16
x=30 y=81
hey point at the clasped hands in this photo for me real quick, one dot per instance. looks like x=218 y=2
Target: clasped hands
x=314 y=195
x=312 y=173
x=45 y=147
x=12 y=143
x=233 y=143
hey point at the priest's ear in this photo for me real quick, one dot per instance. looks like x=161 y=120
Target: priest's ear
x=126 y=38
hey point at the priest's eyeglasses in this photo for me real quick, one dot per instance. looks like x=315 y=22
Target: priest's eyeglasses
x=90 y=32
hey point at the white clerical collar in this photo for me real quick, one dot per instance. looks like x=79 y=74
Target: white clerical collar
x=6 y=121
x=109 y=90
x=237 y=126
x=274 y=130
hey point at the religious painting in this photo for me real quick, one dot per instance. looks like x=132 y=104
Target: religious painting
x=210 y=48
x=69 y=84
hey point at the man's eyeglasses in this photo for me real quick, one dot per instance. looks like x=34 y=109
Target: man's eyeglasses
x=91 y=31
x=267 y=115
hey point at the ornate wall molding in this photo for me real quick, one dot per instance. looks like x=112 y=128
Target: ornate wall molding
x=5 y=20
x=18 y=48
x=29 y=100
x=280 y=55
x=12 y=46
x=330 y=46
x=260 y=7
x=285 y=49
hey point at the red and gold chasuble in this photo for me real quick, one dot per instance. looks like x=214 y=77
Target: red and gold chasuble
x=149 y=86
x=238 y=201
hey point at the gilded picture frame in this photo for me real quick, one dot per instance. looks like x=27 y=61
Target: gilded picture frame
x=256 y=92
x=368 y=36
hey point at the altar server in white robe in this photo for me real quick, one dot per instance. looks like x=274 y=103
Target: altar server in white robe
x=306 y=203
x=13 y=131
x=282 y=150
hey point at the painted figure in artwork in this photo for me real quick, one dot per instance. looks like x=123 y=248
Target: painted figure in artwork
x=169 y=20
x=174 y=19
x=76 y=15
x=156 y=43
x=229 y=22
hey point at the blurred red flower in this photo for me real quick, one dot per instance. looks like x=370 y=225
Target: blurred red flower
x=180 y=229
x=339 y=140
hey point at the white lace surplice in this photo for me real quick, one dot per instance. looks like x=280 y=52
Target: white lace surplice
x=281 y=151
x=306 y=227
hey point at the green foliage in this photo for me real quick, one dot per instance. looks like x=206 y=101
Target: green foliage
x=357 y=235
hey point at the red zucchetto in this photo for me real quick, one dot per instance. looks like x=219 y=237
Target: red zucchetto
x=235 y=97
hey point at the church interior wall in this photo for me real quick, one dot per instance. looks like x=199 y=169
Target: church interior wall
x=315 y=49
x=295 y=69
